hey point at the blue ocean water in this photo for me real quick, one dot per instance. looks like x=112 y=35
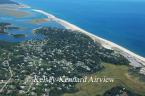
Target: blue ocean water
x=120 y=21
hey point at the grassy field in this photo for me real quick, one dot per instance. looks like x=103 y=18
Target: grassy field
x=120 y=73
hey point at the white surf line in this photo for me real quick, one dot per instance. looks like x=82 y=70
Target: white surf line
x=125 y=52
x=45 y=13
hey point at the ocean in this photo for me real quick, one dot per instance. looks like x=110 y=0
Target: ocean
x=120 y=21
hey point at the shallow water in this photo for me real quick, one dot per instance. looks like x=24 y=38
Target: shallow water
x=25 y=24
x=120 y=21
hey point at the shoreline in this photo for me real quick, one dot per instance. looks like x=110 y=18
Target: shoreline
x=135 y=59
x=105 y=43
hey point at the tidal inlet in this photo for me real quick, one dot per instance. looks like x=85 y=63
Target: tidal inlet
x=72 y=48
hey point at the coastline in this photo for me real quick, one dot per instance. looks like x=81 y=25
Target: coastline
x=135 y=59
x=69 y=66
x=106 y=43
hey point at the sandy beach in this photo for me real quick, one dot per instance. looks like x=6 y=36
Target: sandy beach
x=136 y=60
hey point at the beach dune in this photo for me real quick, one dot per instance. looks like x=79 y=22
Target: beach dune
x=135 y=59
